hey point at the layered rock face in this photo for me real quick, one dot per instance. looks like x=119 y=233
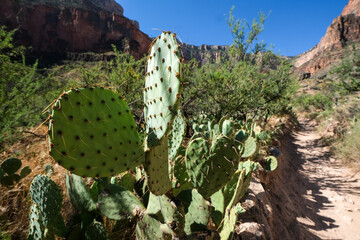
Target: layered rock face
x=343 y=31
x=204 y=53
x=72 y=26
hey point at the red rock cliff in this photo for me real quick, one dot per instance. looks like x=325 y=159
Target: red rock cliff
x=343 y=31
x=53 y=30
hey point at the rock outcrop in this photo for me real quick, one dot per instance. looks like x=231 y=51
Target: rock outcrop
x=204 y=53
x=55 y=28
x=344 y=31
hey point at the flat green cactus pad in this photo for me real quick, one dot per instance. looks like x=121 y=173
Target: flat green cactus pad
x=197 y=211
x=78 y=193
x=118 y=203
x=149 y=228
x=36 y=229
x=196 y=159
x=271 y=163
x=156 y=167
x=96 y=231
x=162 y=87
x=221 y=164
x=178 y=132
x=48 y=198
x=92 y=133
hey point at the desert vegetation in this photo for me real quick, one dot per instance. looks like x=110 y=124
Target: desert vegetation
x=205 y=122
x=191 y=136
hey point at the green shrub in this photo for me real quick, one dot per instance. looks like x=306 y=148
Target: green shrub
x=251 y=82
x=317 y=101
x=22 y=90
x=348 y=72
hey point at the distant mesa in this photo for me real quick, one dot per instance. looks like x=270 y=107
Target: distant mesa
x=340 y=35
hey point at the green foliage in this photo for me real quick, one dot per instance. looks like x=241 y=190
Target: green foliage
x=317 y=101
x=246 y=36
x=348 y=72
x=23 y=91
x=241 y=89
x=222 y=157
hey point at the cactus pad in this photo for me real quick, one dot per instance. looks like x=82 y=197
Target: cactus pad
x=180 y=178
x=118 y=203
x=162 y=87
x=47 y=196
x=157 y=169
x=177 y=135
x=96 y=231
x=195 y=160
x=271 y=163
x=79 y=194
x=36 y=229
x=220 y=164
x=197 y=211
x=150 y=228
x=250 y=147
x=93 y=133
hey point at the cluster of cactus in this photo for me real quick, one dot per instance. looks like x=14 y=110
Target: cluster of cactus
x=8 y=169
x=169 y=191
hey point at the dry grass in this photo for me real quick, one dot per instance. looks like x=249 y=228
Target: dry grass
x=15 y=202
x=348 y=150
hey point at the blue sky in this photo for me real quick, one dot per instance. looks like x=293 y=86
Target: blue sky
x=293 y=26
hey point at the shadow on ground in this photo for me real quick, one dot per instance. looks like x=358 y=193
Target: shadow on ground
x=295 y=196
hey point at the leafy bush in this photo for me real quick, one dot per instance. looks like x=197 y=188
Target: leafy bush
x=22 y=90
x=251 y=82
x=317 y=101
x=348 y=72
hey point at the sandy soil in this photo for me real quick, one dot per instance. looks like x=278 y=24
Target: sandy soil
x=316 y=196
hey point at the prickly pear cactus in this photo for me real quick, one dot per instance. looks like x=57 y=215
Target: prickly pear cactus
x=157 y=169
x=197 y=211
x=250 y=147
x=150 y=228
x=271 y=163
x=227 y=128
x=195 y=160
x=118 y=203
x=177 y=135
x=96 y=231
x=8 y=169
x=222 y=163
x=180 y=178
x=171 y=213
x=36 y=228
x=48 y=198
x=162 y=87
x=230 y=219
x=93 y=133
x=127 y=181
x=79 y=194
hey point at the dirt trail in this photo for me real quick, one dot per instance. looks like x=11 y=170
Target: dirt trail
x=334 y=189
x=315 y=197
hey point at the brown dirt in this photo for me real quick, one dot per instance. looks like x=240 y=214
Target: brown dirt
x=313 y=195
x=15 y=201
